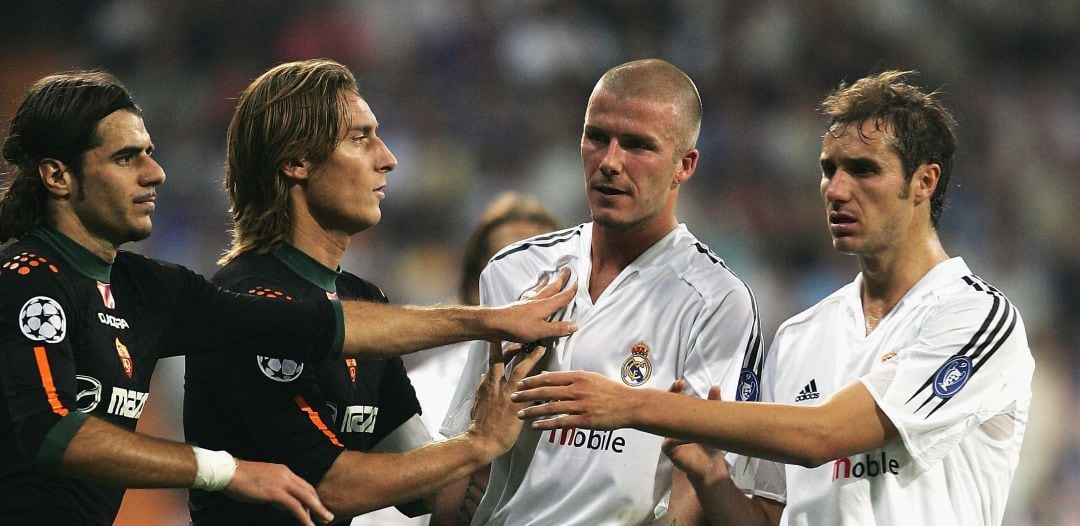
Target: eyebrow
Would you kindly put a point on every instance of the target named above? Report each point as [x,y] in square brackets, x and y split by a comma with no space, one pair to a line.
[131,150]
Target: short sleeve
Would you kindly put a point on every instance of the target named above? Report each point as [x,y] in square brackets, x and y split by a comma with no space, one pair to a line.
[970,363]
[39,317]
[206,318]
[397,400]
[493,292]
[756,476]
[725,332]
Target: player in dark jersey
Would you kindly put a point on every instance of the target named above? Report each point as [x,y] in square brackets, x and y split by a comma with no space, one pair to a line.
[319,175]
[82,323]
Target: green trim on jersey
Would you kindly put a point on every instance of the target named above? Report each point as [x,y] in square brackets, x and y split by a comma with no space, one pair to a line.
[57,440]
[318,274]
[337,347]
[83,261]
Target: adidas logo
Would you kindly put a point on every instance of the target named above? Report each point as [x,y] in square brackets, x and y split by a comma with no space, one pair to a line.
[809,392]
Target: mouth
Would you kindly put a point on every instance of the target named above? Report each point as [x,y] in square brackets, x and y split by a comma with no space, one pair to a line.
[147,201]
[380,191]
[841,223]
[608,190]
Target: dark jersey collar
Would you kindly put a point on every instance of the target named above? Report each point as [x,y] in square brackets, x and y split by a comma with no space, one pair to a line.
[82,260]
[307,268]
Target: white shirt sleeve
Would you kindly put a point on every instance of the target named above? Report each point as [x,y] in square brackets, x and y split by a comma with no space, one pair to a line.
[723,334]
[493,291]
[757,476]
[970,363]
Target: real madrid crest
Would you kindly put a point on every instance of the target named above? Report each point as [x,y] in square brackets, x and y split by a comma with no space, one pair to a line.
[637,368]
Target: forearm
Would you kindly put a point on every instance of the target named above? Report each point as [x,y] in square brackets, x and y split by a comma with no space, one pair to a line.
[376,330]
[107,454]
[360,482]
[849,423]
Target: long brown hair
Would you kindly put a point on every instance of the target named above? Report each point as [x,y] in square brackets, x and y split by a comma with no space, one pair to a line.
[290,113]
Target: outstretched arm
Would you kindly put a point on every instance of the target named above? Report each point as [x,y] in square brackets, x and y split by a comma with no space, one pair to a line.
[393,478]
[107,454]
[848,423]
[374,330]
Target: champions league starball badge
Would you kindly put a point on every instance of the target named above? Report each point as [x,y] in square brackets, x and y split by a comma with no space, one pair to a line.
[637,368]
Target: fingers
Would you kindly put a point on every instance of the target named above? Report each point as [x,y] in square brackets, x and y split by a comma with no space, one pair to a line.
[714,393]
[558,422]
[548,409]
[510,352]
[546,379]
[495,353]
[677,386]
[527,363]
[545,289]
[312,504]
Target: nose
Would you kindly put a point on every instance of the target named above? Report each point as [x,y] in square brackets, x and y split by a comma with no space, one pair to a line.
[836,188]
[611,163]
[385,161]
[152,174]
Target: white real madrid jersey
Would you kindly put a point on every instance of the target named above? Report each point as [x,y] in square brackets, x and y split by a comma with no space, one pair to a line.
[949,366]
[675,312]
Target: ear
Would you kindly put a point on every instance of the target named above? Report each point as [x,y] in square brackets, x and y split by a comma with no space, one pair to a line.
[57,177]
[296,169]
[686,166]
[925,181]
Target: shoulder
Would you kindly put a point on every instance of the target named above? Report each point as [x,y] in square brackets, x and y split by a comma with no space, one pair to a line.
[255,274]
[547,247]
[694,263]
[815,313]
[32,274]
[351,286]
[28,260]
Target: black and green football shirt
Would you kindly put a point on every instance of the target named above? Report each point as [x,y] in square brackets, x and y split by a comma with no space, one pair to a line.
[300,414]
[80,336]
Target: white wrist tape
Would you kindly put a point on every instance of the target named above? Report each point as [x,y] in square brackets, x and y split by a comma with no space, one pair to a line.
[213,469]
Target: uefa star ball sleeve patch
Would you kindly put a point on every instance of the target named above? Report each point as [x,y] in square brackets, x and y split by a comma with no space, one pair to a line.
[42,319]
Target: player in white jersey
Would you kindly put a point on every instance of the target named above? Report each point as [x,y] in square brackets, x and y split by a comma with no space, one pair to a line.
[654,305]
[900,399]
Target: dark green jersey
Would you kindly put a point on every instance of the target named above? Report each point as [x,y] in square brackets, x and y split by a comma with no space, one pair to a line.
[300,414]
[80,336]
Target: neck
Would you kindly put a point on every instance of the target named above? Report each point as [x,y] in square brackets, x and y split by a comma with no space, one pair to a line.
[887,277]
[614,249]
[69,225]
[321,245]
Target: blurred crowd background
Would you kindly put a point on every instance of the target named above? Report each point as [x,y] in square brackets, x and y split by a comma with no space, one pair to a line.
[480,96]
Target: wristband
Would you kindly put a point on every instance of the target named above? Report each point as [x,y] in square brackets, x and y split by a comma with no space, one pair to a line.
[213,469]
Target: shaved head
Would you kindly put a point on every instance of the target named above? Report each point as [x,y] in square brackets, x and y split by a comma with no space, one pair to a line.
[658,80]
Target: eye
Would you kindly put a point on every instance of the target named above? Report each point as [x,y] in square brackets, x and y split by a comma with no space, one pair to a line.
[828,169]
[125,160]
[595,136]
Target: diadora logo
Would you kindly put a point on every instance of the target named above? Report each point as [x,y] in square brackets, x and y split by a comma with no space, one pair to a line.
[127,402]
[809,392]
[867,467]
[359,419]
[595,440]
[112,321]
